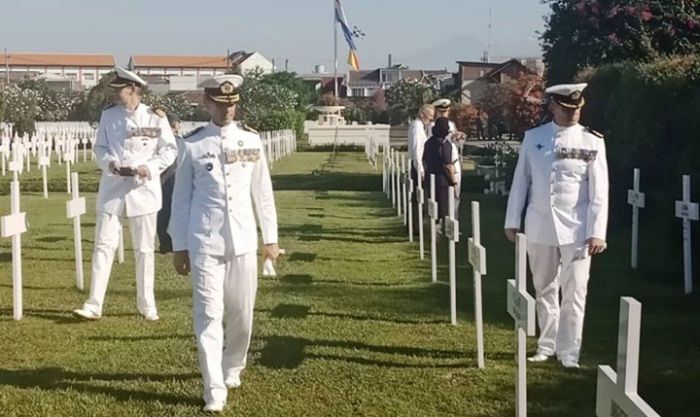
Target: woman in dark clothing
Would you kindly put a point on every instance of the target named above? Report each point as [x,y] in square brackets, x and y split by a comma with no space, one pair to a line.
[437,159]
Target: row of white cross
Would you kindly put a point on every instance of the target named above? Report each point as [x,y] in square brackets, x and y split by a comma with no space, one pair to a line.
[617,393]
[685,209]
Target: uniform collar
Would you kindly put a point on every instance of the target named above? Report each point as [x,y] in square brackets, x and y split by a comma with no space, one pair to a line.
[222,131]
[558,129]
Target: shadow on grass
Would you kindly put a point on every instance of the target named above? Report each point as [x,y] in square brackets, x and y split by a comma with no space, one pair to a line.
[59,379]
[299,311]
[326,181]
[287,352]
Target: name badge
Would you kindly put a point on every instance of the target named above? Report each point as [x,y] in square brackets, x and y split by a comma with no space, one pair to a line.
[241,155]
[586,155]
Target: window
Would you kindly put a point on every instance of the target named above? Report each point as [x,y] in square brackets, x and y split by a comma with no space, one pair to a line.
[72,75]
[358,92]
[89,76]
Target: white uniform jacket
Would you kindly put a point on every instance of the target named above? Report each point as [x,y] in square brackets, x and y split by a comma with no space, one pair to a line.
[221,174]
[131,139]
[562,176]
[416,143]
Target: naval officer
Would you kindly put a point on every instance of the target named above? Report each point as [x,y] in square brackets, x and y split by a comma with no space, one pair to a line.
[134,145]
[222,182]
[561,183]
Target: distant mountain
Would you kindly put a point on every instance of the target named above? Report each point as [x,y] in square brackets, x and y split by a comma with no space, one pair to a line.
[445,54]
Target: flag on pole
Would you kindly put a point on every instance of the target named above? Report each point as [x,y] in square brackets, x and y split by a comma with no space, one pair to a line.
[353,60]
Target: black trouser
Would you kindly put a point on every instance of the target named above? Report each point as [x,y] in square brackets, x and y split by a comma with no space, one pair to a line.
[167,185]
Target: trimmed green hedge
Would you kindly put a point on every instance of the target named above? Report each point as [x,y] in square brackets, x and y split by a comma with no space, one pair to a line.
[650,114]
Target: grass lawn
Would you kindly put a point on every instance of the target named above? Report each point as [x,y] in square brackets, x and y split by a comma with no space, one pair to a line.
[351,326]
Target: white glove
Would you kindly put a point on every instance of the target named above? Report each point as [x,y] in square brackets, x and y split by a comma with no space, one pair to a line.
[269,269]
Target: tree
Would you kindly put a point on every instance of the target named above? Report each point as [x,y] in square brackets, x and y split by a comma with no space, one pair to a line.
[405,98]
[268,105]
[99,97]
[524,103]
[583,33]
[464,116]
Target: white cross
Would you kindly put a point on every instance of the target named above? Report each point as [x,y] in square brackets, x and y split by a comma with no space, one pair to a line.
[452,234]
[420,197]
[617,392]
[74,209]
[687,211]
[404,189]
[636,199]
[521,306]
[477,259]
[433,214]
[385,166]
[13,225]
[392,178]
[44,162]
[409,198]
[399,197]
[84,142]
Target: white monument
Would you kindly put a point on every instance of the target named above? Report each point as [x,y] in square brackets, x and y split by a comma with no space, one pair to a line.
[687,211]
[74,209]
[635,198]
[477,259]
[521,306]
[433,215]
[617,392]
[452,234]
[13,225]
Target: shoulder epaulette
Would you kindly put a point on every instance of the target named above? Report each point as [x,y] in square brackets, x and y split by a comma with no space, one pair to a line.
[193,132]
[594,132]
[248,128]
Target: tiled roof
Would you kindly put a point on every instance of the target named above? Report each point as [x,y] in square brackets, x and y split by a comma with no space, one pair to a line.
[56,60]
[175,61]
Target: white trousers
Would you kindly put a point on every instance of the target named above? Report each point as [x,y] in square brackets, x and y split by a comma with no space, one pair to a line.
[143,232]
[553,268]
[224,289]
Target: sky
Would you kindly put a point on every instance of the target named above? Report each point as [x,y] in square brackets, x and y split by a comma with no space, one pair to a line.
[422,34]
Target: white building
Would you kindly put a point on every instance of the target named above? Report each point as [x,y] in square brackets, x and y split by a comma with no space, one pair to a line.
[244,62]
[81,70]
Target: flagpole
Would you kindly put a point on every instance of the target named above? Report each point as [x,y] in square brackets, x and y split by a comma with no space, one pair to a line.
[335,50]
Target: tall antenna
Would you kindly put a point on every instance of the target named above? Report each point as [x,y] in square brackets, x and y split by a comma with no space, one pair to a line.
[488,49]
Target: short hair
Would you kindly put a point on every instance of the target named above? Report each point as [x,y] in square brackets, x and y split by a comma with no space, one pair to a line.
[424,108]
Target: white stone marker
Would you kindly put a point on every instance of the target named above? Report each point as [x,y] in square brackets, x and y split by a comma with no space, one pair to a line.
[84,142]
[433,214]
[399,197]
[74,209]
[13,225]
[420,197]
[521,306]
[687,211]
[384,171]
[636,199]
[452,234]
[409,198]
[616,394]
[404,189]
[392,178]
[477,259]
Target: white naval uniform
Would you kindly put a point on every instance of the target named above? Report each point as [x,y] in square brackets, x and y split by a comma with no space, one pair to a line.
[130,139]
[416,143]
[222,176]
[562,176]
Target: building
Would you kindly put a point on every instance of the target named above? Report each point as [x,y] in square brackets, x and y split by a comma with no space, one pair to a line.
[473,77]
[74,71]
[184,73]
[366,83]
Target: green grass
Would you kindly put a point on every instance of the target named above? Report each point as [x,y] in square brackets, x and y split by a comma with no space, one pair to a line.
[351,327]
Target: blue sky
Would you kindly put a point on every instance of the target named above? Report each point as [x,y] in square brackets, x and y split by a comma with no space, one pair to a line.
[431,34]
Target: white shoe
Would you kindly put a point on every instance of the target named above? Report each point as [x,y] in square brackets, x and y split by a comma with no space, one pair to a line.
[570,363]
[86,314]
[151,317]
[233,381]
[539,357]
[214,407]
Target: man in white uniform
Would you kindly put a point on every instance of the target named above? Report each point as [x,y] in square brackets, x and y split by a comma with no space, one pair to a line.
[133,146]
[562,176]
[416,142]
[222,182]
